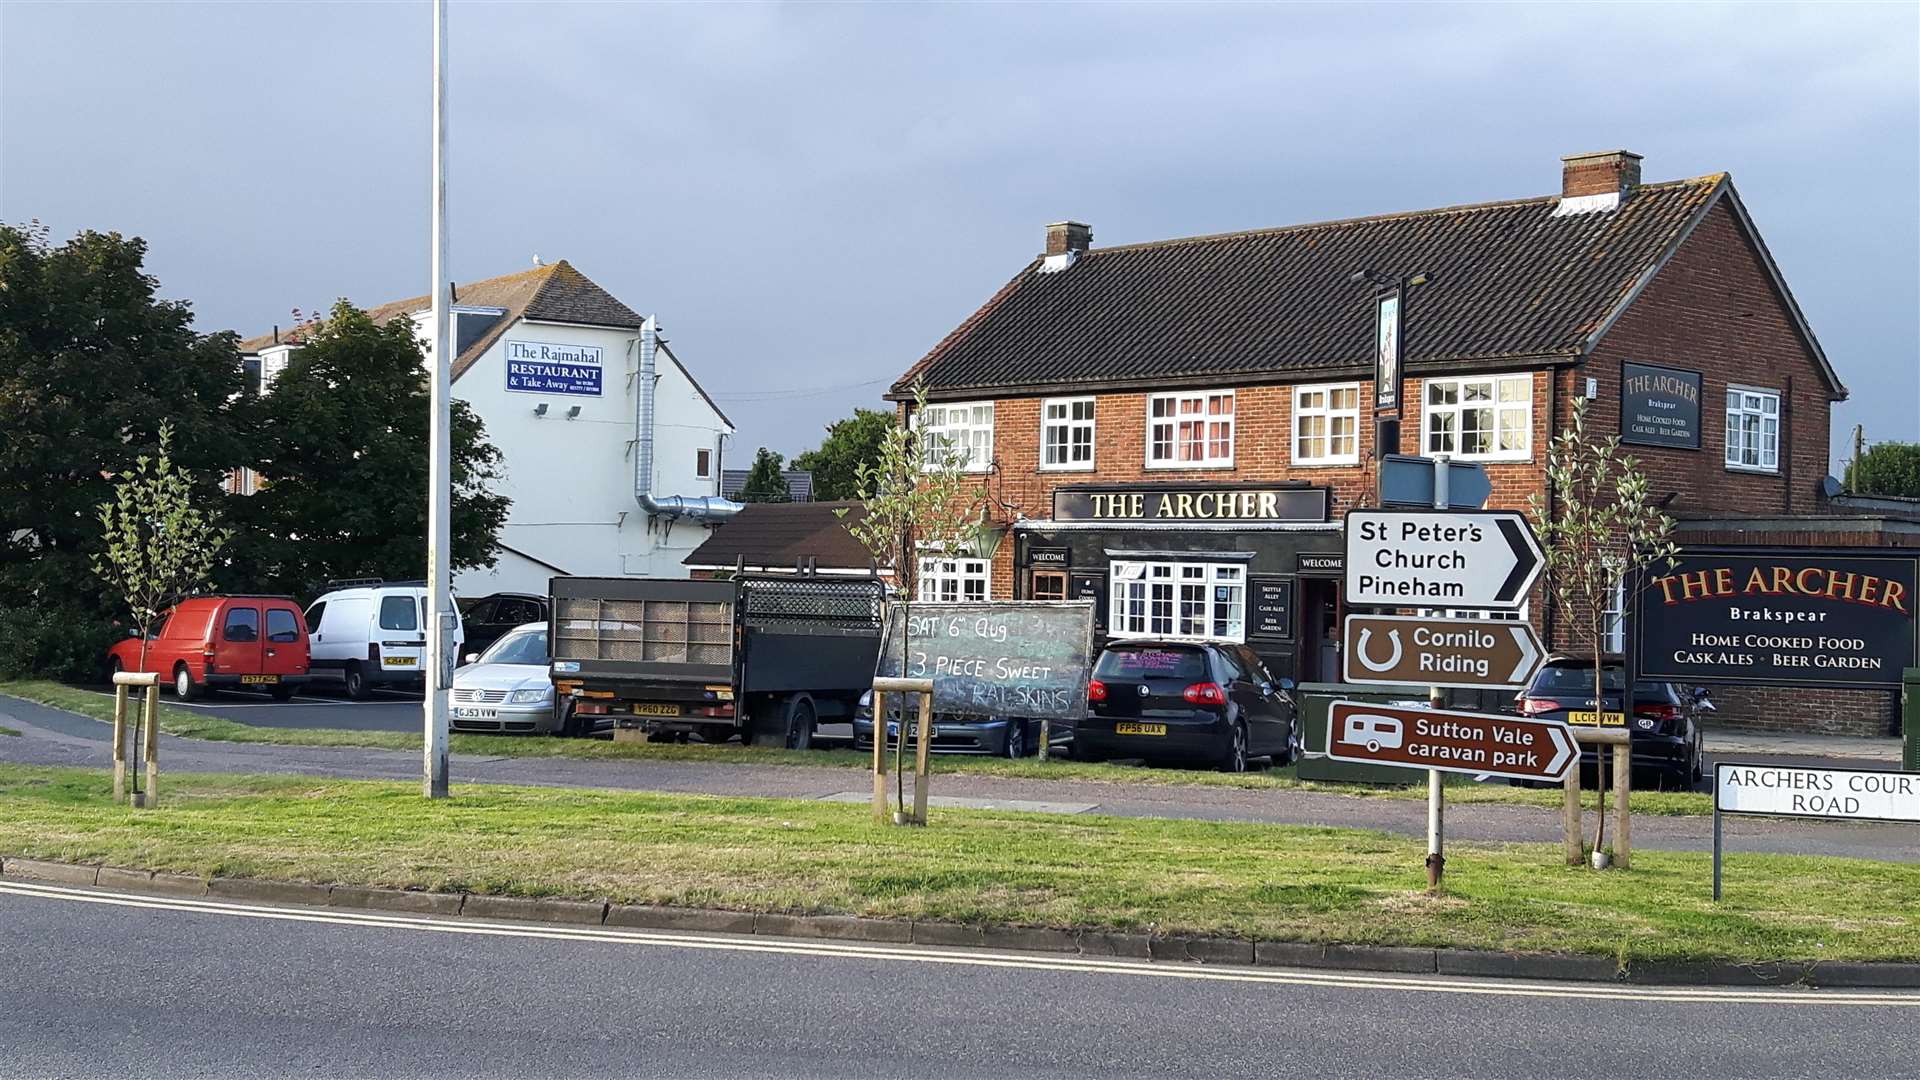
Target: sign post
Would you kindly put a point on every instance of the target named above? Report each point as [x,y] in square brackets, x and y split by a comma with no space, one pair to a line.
[1477,744]
[1793,791]
[1437,699]
[1440,559]
[1464,654]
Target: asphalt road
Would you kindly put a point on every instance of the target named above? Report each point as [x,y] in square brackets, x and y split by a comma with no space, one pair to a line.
[101,988]
[54,737]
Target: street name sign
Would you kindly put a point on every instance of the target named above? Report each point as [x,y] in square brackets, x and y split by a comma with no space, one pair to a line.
[1406,480]
[1480,744]
[1788,791]
[1440,559]
[1467,654]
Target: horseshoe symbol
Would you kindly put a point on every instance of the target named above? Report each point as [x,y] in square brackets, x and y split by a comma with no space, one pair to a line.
[1393,658]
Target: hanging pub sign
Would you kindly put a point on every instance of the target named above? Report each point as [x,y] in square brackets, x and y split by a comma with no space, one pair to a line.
[1192,503]
[539,367]
[1386,351]
[1659,406]
[1839,617]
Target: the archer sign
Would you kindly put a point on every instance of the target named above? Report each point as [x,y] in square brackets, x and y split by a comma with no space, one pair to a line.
[1481,744]
[1469,654]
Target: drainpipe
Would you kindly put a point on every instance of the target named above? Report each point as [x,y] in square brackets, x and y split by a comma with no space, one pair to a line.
[703,508]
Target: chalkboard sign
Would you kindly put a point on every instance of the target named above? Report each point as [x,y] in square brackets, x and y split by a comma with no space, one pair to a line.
[1272,607]
[1028,658]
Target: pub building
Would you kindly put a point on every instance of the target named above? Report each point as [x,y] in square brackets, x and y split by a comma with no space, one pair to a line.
[1175,429]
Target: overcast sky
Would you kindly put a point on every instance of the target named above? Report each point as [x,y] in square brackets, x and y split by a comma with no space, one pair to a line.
[811,195]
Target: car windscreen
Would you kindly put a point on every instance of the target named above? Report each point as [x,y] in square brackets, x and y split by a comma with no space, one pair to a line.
[1151,663]
[524,648]
[398,613]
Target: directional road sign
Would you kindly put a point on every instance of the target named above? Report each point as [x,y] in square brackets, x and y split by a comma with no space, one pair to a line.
[1408,481]
[1482,744]
[1440,559]
[1471,654]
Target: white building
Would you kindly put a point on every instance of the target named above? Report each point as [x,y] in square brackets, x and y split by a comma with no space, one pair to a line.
[606,478]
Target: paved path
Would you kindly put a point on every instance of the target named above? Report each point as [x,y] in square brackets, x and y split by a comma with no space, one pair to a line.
[54,737]
[278,992]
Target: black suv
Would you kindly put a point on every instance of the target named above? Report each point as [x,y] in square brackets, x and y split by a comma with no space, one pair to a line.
[1664,728]
[1189,701]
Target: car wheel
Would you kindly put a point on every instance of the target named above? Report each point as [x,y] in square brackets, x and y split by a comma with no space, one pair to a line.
[115,667]
[1016,738]
[183,687]
[1294,746]
[282,692]
[356,679]
[800,722]
[1236,759]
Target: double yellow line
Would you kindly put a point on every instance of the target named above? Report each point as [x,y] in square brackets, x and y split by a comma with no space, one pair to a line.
[980,958]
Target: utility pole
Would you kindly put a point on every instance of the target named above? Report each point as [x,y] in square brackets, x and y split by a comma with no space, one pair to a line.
[1859,449]
[440,643]
[1437,699]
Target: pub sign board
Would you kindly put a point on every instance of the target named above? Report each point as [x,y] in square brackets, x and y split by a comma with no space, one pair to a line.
[1272,614]
[1835,617]
[1193,503]
[1659,406]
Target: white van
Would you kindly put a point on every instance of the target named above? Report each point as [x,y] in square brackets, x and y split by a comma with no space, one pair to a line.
[373,634]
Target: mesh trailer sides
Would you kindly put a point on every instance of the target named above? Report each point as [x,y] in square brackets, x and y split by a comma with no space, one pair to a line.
[813,635]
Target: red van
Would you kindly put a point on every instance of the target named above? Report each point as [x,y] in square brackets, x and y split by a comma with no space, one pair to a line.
[211,641]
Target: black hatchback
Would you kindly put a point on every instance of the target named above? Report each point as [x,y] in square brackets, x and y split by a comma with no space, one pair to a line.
[1194,702]
[1664,728]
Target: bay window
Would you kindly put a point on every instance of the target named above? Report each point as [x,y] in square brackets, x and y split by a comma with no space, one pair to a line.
[1178,599]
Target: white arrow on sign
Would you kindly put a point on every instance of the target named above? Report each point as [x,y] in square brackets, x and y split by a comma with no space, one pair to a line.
[1434,558]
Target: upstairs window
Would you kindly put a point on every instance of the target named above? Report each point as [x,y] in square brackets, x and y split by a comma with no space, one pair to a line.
[1753,429]
[1326,424]
[1190,430]
[703,463]
[1066,433]
[1481,419]
[964,431]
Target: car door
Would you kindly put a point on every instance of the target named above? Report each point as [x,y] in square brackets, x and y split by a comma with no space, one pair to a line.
[286,644]
[482,627]
[1245,694]
[238,646]
[1276,704]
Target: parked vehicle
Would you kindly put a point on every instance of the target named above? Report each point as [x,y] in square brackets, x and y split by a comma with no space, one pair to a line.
[1664,729]
[487,619]
[997,736]
[369,634]
[506,689]
[1191,701]
[222,641]
[767,656]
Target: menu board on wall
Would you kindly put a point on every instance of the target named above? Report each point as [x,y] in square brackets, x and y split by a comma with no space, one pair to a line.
[1270,604]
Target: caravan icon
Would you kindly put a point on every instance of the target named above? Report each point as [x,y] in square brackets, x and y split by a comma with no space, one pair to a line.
[1373,732]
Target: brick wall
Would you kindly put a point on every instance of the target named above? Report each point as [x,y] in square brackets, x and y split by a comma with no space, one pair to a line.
[1804,709]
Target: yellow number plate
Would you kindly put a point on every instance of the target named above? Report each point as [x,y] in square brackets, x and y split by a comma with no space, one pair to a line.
[656,710]
[396,661]
[1124,728]
[1600,719]
[259,680]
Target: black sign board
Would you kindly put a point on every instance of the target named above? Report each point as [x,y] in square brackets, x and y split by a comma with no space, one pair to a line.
[1192,503]
[1659,406]
[1322,562]
[1270,613]
[1388,331]
[1090,587]
[1046,556]
[1841,617]
[1024,658]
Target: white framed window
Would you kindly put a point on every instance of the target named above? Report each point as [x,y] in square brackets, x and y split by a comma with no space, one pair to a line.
[1190,430]
[1753,429]
[1066,433]
[1178,599]
[1326,424]
[703,463]
[952,581]
[1613,621]
[964,430]
[1481,419]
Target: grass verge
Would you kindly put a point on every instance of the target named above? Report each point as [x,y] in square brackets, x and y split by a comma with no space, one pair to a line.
[1169,877]
[189,724]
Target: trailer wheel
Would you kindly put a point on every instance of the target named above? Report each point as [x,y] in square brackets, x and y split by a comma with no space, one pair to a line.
[801,718]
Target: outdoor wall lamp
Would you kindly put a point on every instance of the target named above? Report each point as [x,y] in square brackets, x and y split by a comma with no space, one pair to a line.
[573,412]
[540,409]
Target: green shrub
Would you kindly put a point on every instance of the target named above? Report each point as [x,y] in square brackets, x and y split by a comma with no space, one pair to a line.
[65,645]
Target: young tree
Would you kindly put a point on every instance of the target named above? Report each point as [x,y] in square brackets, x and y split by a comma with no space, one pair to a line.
[158,545]
[342,455]
[1887,468]
[765,482]
[850,443]
[1597,530]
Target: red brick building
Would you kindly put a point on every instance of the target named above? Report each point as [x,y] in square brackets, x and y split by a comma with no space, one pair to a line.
[1174,429]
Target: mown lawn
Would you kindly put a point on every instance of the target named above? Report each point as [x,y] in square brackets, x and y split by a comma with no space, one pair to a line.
[1263,881]
[188,724]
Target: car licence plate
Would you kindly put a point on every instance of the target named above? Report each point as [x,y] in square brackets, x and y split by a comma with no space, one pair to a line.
[1599,719]
[259,680]
[475,714]
[656,710]
[397,661]
[1126,728]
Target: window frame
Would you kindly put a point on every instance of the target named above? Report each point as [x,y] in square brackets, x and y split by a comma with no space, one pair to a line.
[1760,414]
[1069,424]
[1057,579]
[398,600]
[1330,414]
[1495,405]
[703,463]
[275,637]
[227,624]
[1169,616]
[927,431]
[1205,418]
[961,570]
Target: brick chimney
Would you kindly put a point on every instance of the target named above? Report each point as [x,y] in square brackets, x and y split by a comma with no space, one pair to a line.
[1068,236]
[1610,172]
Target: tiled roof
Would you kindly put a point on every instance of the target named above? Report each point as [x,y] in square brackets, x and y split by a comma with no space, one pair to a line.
[773,535]
[1507,281]
[799,483]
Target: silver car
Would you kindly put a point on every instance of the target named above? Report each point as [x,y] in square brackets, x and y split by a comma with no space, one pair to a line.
[506,690]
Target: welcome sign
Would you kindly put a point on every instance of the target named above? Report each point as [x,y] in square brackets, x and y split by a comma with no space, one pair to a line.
[539,367]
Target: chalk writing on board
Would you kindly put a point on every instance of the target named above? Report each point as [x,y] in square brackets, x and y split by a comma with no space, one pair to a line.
[1025,659]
